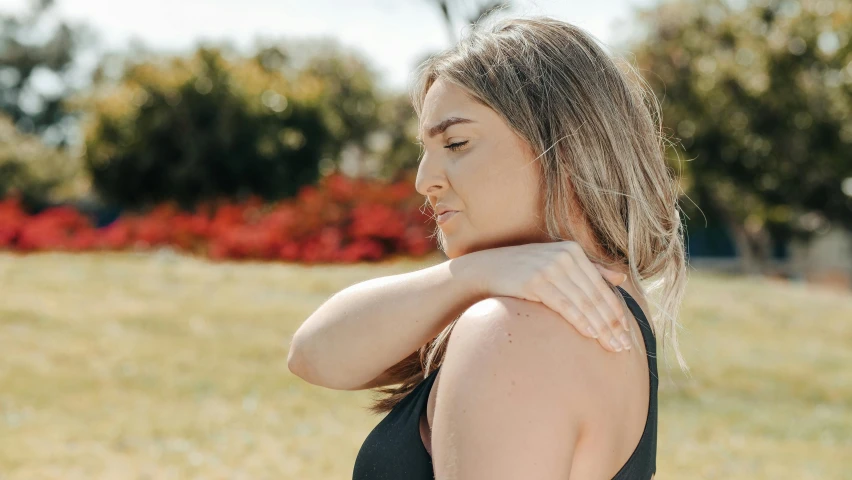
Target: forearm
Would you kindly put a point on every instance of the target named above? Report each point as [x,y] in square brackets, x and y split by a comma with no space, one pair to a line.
[368,327]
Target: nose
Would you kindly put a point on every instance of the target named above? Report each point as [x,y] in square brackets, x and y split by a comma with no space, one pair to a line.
[431,177]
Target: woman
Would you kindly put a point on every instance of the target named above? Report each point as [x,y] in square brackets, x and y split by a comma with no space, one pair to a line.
[540,157]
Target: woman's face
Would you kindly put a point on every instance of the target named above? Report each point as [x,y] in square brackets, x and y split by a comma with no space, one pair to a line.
[491,177]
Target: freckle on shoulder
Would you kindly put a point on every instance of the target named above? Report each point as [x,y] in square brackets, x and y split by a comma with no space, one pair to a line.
[538,319]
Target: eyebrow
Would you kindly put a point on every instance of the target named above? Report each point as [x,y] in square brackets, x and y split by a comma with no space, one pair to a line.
[444,125]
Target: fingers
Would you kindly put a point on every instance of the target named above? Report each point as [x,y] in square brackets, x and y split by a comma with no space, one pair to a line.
[613,277]
[584,274]
[607,325]
[615,303]
[560,303]
[593,284]
[570,301]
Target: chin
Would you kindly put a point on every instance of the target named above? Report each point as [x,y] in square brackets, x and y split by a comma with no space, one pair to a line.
[448,249]
[455,249]
[451,249]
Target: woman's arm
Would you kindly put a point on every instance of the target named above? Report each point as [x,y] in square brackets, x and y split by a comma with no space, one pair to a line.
[353,338]
[351,341]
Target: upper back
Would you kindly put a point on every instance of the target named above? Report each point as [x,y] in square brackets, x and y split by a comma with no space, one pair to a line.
[617,398]
[618,411]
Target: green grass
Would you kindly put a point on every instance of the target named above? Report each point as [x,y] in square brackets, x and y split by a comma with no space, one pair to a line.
[133,366]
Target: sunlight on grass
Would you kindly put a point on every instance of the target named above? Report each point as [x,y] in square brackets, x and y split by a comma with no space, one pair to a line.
[160,366]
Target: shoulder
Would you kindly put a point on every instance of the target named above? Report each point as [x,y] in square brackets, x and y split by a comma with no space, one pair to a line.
[512,394]
[521,336]
[506,341]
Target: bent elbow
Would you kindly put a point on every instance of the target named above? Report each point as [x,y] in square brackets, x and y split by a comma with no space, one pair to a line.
[304,362]
[296,362]
[301,365]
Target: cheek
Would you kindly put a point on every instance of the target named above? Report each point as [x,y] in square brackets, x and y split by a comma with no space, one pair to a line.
[503,201]
[497,186]
[512,188]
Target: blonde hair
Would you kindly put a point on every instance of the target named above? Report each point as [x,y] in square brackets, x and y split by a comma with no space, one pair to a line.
[595,128]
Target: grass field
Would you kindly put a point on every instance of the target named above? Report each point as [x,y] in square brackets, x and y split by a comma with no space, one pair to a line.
[159,366]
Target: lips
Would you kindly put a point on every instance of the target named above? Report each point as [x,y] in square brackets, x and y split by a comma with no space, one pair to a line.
[443,217]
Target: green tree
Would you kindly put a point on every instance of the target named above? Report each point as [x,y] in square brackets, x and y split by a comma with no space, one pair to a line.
[350,100]
[39,173]
[26,56]
[349,97]
[399,149]
[760,96]
[192,129]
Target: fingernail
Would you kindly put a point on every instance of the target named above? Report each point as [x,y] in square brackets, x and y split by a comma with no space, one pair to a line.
[592,332]
[617,346]
[625,341]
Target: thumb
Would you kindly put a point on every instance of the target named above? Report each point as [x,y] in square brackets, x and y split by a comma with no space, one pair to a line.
[612,276]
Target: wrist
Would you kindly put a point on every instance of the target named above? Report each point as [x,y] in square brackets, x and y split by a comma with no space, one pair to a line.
[468,273]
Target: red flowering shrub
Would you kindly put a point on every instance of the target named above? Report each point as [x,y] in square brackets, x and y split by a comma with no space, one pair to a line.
[116,235]
[338,220]
[58,228]
[378,221]
[12,219]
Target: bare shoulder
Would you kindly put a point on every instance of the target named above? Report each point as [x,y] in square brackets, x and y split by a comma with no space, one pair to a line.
[513,393]
[536,326]
[525,341]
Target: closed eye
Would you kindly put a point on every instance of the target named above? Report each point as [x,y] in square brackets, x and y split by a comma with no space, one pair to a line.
[456,146]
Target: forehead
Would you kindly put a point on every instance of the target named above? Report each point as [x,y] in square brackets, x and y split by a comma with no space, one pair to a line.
[444,98]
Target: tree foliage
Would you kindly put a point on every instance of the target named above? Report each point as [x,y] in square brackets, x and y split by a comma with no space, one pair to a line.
[192,129]
[27,55]
[35,171]
[760,96]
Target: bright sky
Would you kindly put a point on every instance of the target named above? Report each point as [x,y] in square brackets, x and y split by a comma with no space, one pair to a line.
[393,34]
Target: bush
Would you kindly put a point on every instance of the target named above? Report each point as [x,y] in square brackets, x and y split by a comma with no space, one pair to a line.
[37,172]
[202,128]
[340,220]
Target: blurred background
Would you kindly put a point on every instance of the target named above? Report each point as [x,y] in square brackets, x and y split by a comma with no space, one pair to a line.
[183,183]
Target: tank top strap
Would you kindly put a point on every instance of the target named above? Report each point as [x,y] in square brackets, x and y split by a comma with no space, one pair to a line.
[648,336]
[643,462]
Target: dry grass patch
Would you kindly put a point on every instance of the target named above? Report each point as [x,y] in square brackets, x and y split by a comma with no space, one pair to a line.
[160,366]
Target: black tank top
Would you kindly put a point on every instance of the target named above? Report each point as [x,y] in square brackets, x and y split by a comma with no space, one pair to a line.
[395,451]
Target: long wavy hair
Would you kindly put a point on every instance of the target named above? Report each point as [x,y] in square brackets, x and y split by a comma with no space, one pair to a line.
[595,128]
